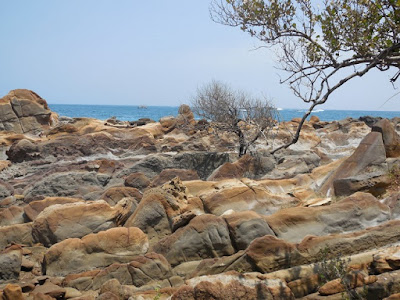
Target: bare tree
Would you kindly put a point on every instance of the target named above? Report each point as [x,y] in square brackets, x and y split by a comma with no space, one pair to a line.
[235,111]
[321,45]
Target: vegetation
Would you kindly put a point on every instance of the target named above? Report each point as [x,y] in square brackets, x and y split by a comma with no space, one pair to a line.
[320,45]
[235,111]
[331,268]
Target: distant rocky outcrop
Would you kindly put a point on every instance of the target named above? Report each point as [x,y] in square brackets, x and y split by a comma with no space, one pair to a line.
[24,111]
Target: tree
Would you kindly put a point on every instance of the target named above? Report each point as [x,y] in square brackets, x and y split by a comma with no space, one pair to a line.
[235,111]
[320,45]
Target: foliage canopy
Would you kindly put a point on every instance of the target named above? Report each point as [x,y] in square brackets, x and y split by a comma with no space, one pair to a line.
[321,45]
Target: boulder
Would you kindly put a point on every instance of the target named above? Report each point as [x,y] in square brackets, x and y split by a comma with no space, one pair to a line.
[168,174]
[23,111]
[10,263]
[157,209]
[34,208]
[116,245]
[232,170]
[137,180]
[243,198]
[353,213]
[371,151]
[391,139]
[375,183]
[114,194]
[142,270]
[75,220]
[246,226]
[12,292]
[11,215]
[205,236]
[18,233]
[67,184]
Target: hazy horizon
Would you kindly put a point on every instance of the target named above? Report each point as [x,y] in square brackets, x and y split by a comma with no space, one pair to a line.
[147,53]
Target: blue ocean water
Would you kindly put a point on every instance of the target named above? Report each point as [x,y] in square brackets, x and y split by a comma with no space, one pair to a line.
[131,113]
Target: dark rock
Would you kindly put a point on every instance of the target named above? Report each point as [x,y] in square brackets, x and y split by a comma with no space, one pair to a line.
[370,121]
[137,180]
[374,183]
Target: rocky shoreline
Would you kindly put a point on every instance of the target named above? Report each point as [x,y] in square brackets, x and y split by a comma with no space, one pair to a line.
[166,210]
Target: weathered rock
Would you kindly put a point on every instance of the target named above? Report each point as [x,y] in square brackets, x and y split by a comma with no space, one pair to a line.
[75,220]
[6,190]
[270,254]
[168,174]
[353,280]
[203,162]
[243,198]
[34,208]
[68,184]
[353,213]
[370,151]
[375,183]
[205,236]
[10,263]
[233,285]
[232,170]
[393,201]
[13,292]
[11,215]
[23,111]
[114,194]
[50,289]
[95,250]
[157,209]
[18,233]
[246,226]
[137,180]
[142,270]
[391,139]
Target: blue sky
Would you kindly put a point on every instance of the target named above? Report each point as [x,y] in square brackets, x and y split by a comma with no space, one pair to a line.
[132,52]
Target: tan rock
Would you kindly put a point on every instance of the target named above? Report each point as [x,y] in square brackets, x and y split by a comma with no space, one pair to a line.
[59,222]
[18,233]
[12,292]
[115,194]
[157,209]
[169,174]
[233,285]
[353,213]
[205,236]
[95,250]
[34,208]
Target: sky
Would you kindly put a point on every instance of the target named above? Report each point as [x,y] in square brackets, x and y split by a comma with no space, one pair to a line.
[131,52]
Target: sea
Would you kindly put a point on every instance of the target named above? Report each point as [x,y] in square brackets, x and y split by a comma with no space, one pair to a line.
[132,113]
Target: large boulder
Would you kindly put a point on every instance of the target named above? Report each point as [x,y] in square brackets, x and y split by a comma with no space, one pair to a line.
[371,151]
[23,111]
[34,208]
[75,220]
[353,213]
[116,245]
[142,270]
[205,236]
[243,197]
[11,215]
[67,184]
[157,209]
[245,227]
